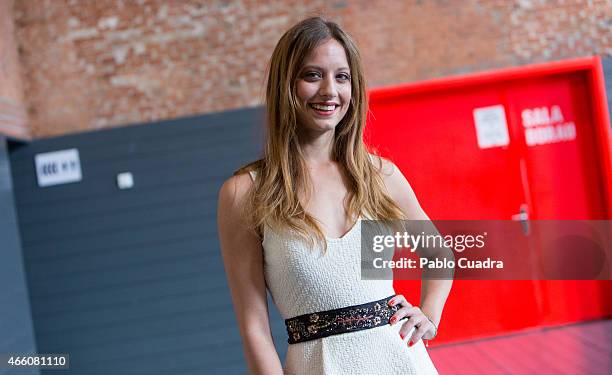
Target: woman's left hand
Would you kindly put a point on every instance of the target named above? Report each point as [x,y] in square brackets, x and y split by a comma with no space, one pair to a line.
[423,327]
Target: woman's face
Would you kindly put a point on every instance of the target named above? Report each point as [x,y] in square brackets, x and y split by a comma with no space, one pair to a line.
[324,87]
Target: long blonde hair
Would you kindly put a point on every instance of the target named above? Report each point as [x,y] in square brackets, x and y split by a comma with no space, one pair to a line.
[273,200]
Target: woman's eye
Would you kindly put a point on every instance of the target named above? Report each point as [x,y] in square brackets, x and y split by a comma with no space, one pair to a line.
[312,75]
[317,75]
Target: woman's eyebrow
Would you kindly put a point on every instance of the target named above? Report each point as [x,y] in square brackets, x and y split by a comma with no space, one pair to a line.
[316,67]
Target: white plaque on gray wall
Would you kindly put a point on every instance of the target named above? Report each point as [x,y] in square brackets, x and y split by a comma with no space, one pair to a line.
[58,167]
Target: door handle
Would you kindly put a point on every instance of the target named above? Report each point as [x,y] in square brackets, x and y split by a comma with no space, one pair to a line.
[523,218]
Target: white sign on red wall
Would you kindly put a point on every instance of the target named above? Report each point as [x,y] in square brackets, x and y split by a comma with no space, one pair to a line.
[544,125]
[491,126]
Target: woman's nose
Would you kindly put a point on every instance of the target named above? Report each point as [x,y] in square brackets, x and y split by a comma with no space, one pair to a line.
[327,87]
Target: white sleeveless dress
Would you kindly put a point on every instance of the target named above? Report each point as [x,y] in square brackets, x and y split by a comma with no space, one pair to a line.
[302,280]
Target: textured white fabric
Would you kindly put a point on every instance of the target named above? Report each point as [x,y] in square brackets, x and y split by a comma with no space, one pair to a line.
[303,280]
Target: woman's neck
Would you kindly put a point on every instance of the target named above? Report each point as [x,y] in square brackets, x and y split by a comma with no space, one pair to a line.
[317,150]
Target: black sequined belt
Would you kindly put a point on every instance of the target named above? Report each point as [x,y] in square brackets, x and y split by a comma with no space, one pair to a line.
[334,322]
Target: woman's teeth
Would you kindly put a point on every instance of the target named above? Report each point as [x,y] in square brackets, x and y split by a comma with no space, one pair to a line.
[323,107]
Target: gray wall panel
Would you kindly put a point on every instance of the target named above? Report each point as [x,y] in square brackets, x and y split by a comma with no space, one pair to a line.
[607,68]
[132,281]
[16,329]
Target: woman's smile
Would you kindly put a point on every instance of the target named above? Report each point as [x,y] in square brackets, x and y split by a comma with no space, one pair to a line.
[324,110]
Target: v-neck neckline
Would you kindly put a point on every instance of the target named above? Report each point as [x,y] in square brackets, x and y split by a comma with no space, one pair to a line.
[346,234]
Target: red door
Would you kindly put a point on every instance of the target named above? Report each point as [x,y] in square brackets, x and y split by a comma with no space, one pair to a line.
[485,148]
[557,137]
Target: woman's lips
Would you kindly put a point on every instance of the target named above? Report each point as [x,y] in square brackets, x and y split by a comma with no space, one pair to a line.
[323,113]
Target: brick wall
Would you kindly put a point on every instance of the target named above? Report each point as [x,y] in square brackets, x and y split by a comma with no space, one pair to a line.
[13,115]
[95,64]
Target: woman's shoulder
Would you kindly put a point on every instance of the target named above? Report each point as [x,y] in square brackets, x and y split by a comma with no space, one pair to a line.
[399,189]
[252,167]
[394,180]
[235,189]
[383,165]
[233,192]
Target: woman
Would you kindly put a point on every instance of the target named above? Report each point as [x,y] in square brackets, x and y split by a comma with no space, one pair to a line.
[292,223]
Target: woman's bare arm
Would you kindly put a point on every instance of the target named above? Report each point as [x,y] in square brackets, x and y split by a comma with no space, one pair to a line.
[433,292]
[243,259]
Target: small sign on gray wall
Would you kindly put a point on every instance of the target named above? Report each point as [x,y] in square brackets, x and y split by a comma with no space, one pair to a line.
[58,167]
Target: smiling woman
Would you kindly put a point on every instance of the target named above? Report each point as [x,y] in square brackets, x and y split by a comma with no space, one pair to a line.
[292,224]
